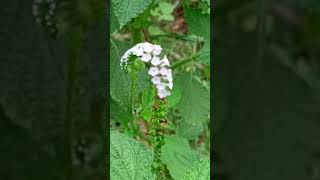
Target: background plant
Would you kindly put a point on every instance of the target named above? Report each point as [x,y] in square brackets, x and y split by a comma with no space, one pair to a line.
[183,30]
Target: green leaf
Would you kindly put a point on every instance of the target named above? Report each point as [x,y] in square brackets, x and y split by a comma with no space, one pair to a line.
[178,156]
[175,97]
[199,24]
[119,81]
[190,131]
[155,30]
[200,171]
[166,8]
[195,101]
[129,159]
[147,101]
[206,1]
[118,113]
[125,10]
[166,17]
[143,81]
[114,24]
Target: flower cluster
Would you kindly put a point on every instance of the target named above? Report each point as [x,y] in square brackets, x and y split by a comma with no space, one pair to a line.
[160,72]
[44,11]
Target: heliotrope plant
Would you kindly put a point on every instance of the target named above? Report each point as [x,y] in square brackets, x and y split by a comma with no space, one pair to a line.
[161,77]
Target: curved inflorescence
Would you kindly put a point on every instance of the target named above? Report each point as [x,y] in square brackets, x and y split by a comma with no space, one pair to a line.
[160,72]
[44,13]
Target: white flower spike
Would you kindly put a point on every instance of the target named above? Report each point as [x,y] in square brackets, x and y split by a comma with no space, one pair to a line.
[156,80]
[153,71]
[160,72]
[155,61]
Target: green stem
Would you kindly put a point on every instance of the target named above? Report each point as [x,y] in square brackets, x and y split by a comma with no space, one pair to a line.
[184,61]
[132,103]
[158,130]
[174,35]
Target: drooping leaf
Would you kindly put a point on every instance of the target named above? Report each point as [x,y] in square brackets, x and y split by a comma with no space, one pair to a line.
[125,10]
[178,156]
[200,171]
[129,159]
[195,101]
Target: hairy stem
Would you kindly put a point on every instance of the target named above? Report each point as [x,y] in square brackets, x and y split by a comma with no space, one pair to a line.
[184,61]
[158,130]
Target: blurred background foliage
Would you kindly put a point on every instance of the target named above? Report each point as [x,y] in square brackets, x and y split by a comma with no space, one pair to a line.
[53,91]
[266,90]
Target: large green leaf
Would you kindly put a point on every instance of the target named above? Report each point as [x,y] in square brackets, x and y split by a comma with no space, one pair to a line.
[178,156]
[130,160]
[125,10]
[200,171]
[114,24]
[175,97]
[189,131]
[195,101]
[119,81]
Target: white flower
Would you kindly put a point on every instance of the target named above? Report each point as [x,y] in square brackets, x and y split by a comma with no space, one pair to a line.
[163,93]
[153,71]
[155,61]
[147,47]
[156,80]
[168,77]
[170,85]
[161,86]
[125,57]
[146,57]
[161,75]
[156,49]
[137,51]
[165,61]
[164,71]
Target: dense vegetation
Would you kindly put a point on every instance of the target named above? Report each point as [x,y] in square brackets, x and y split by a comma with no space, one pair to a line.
[181,148]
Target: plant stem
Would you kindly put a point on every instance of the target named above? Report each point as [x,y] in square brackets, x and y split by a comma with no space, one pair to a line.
[184,61]
[158,130]
[174,35]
